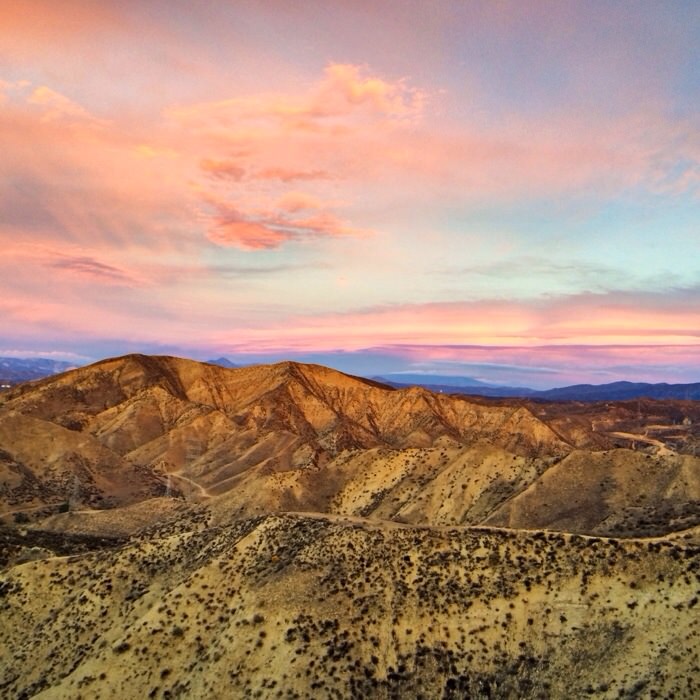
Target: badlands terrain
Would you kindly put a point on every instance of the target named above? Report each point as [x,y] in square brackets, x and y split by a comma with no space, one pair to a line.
[179,529]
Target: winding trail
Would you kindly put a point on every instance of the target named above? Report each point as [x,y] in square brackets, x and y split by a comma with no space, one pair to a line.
[203,492]
[27,509]
[662,449]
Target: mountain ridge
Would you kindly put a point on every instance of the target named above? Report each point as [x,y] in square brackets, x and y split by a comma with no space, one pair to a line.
[295,436]
[298,606]
[18,370]
[612,391]
[14,370]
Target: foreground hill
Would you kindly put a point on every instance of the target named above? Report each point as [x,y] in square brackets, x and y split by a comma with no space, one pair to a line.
[289,437]
[299,606]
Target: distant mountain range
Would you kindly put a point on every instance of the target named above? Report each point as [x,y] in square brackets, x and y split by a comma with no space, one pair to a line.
[408,379]
[14,370]
[223,362]
[614,391]
[619,391]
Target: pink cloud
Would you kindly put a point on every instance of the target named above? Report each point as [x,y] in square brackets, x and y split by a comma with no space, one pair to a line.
[248,231]
[83,181]
[247,235]
[282,138]
[93,270]
[93,281]
[366,132]
[290,175]
[126,183]
[344,91]
[101,185]
[346,127]
[521,157]
[585,319]
[252,228]
[222,169]
[597,356]
[344,88]
[553,365]
[324,224]
[56,106]
[296,201]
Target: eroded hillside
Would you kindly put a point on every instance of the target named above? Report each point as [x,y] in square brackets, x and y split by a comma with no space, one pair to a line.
[289,437]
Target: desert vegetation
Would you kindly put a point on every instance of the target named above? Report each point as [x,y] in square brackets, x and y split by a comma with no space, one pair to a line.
[292,606]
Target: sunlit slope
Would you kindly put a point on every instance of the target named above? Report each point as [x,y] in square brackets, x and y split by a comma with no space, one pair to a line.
[291,606]
[289,437]
[210,424]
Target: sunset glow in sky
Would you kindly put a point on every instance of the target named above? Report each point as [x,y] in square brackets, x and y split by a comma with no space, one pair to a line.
[505,190]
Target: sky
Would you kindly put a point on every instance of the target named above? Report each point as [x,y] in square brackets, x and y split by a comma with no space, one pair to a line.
[503,190]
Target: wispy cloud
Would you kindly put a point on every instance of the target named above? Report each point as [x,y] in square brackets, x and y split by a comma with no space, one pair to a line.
[547,366]
[290,175]
[541,266]
[55,106]
[285,138]
[225,169]
[93,269]
[295,216]
[241,271]
[49,354]
[609,318]
[345,90]
[73,178]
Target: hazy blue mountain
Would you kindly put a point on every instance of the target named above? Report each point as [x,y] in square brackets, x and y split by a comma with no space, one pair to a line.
[223,362]
[619,391]
[615,391]
[471,390]
[431,379]
[14,370]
